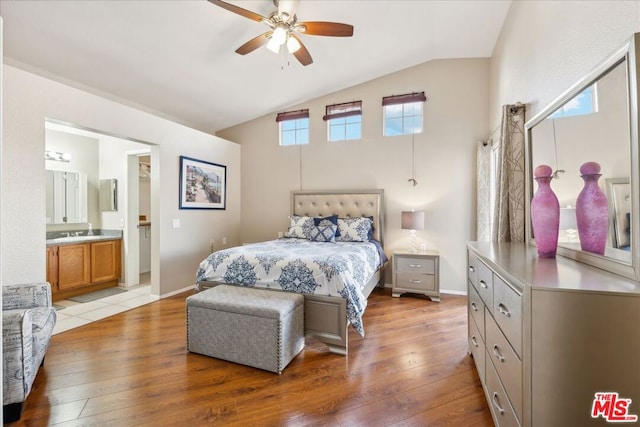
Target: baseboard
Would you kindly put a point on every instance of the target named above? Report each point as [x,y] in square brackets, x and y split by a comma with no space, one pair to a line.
[179,291]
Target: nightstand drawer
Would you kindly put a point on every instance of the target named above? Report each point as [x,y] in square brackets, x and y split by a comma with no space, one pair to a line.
[415,265]
[418,282]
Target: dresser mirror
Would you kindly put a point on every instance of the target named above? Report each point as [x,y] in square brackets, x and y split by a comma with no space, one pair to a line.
[594,120]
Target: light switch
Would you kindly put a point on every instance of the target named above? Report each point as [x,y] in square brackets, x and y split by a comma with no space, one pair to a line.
[176,222]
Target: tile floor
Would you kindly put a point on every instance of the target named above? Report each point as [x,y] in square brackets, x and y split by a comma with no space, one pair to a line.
[77,314]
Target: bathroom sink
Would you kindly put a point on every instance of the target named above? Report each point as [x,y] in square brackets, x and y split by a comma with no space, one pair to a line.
[76,238]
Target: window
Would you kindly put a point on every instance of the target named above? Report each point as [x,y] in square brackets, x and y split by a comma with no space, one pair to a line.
[344,121]
[403,113]
[586,102]
[294,127]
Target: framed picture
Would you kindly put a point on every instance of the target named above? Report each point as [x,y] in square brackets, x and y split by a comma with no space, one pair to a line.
[203,185]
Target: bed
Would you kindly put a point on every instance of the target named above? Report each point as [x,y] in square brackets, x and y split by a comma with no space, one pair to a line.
[334,304]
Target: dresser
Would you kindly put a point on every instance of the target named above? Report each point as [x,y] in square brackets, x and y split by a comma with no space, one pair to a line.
[546,335]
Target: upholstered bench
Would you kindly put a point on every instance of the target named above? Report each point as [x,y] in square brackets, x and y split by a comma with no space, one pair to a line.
[254,327]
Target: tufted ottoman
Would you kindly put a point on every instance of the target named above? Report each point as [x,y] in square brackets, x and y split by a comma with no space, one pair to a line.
[254,327]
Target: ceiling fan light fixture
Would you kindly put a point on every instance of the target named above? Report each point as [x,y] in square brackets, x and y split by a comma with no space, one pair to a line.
[279,35]
[273,45]
[293,44]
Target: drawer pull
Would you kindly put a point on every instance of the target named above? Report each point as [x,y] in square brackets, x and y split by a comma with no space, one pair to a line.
[483,284]
[472,268]
[415,281]
[473,306]
[474,341]
[496,352]
[496,403]
[504,310]
[415,265]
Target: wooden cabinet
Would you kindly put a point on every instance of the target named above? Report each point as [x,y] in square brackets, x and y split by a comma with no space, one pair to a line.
[416,273]
[546,335]
[80,268]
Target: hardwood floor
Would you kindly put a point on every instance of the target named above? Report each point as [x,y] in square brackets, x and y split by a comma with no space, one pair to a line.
[133,369]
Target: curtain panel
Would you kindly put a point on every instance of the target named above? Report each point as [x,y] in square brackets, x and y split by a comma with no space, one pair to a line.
[508,214]
[483,203]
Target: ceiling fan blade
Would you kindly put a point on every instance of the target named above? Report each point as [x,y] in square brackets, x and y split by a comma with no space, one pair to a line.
[254,43]
[302,54]
[236,9]
[320,28]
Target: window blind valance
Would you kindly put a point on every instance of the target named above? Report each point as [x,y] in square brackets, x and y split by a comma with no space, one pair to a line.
[404,99]
[292,115]
[346,109]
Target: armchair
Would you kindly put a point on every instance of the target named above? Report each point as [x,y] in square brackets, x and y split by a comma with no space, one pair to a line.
[28,318]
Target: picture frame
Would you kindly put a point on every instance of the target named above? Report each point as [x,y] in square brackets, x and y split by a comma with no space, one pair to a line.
[203,185]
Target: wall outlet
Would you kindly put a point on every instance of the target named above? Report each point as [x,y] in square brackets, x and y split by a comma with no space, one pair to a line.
[279,234]
[175,222]
[121,222]
[211,244]
[224,240]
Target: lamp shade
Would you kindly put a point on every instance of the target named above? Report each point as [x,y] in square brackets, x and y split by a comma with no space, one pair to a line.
[412,220]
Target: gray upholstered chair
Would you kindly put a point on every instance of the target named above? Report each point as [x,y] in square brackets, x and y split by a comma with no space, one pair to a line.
[28,318]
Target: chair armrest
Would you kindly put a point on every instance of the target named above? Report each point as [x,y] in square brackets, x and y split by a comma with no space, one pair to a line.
[17,353]
[27,295]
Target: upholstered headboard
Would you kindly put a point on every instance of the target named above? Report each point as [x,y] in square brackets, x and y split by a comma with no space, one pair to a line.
[345,204]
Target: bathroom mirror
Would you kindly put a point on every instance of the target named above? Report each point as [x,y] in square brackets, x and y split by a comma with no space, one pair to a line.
[66,194]
[594,120]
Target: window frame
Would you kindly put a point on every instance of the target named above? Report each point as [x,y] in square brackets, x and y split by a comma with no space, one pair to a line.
[407,116]
[341,117]
[300,131]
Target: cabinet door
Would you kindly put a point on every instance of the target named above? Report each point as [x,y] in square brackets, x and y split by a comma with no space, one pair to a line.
[52,267]
[105,261]
[74,266]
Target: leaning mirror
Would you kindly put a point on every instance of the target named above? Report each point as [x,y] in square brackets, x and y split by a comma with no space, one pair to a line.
[595,120]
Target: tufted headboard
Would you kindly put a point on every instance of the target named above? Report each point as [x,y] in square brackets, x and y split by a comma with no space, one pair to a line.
[345,204]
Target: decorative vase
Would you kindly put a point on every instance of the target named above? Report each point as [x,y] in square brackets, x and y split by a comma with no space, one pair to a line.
[592,211]
[545,214]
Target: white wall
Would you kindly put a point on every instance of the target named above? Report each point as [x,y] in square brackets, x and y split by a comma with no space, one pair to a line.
[455,117]
[29,99]
[547,46]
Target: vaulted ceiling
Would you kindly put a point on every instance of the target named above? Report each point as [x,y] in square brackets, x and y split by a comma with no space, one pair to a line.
[176,59]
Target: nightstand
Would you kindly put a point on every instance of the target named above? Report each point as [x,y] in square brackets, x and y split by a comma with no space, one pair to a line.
[416,272]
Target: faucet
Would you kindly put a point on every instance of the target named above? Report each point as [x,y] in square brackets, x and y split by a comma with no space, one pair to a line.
[67,233]
[77,233]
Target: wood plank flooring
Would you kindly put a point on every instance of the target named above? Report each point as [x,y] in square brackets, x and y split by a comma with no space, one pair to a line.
[132,369]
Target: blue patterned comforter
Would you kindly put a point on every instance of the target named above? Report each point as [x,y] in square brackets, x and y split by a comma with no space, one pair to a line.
[299,265]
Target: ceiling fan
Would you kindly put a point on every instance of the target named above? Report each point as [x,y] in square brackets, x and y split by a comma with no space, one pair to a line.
[284,29]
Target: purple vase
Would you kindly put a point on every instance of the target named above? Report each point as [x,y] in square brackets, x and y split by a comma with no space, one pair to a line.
[545,214]
[592,211]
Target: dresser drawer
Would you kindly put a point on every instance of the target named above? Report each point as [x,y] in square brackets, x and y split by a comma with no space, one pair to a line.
[485,284]
[507,311]
[415,265]
[476,345]
[476,309]
[472,269]
[414,281]
[503,413]
[506,362]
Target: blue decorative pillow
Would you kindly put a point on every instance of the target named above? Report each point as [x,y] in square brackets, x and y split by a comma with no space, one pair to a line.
[325,232]
[355,229]
[333,219]
[299,227]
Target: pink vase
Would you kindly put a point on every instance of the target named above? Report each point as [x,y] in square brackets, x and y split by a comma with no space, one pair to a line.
[592,211]
[545,214]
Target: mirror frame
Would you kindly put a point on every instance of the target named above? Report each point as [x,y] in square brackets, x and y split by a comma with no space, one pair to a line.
[629,52]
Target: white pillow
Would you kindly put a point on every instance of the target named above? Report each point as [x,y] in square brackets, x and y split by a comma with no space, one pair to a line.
[355,229]
[299,227]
